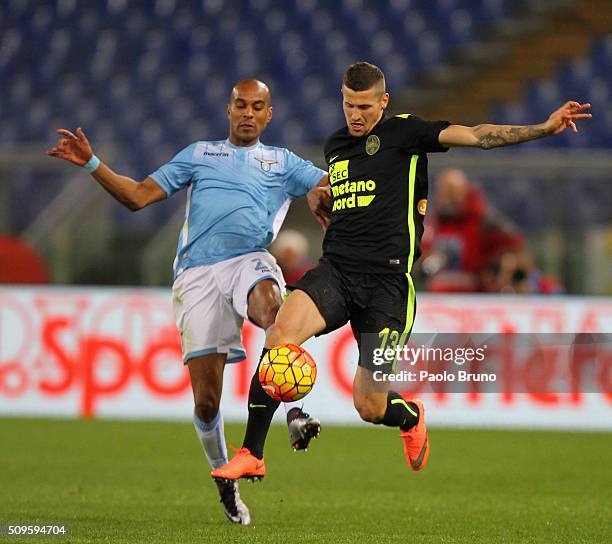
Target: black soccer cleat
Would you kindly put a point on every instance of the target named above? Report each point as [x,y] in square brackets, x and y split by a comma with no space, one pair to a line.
[302,430]
[233,506]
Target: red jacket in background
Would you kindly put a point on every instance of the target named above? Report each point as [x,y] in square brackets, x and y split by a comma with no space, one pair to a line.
[471,241]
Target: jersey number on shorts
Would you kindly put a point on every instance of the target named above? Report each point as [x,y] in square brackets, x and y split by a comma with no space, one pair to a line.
[392,340]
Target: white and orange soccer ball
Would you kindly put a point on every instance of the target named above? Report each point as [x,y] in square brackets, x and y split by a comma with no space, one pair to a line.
[287,373]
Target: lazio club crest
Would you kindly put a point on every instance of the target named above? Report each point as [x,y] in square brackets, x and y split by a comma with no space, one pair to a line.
[266,165]
[372,144]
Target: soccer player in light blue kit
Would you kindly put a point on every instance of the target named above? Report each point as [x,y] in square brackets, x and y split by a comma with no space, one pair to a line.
[238,193]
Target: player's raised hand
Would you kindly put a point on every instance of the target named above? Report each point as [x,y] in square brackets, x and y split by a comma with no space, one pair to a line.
[72,148]
[566,116]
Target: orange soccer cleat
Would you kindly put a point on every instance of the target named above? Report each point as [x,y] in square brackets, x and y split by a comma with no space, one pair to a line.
[416,441]
[242,465]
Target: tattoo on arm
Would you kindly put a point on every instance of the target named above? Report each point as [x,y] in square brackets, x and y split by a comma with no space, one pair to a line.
[490,136]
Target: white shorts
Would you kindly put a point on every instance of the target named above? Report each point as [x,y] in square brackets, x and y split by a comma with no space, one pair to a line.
[210,303]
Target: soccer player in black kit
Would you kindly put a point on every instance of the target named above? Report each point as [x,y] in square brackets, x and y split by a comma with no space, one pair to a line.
[378,180]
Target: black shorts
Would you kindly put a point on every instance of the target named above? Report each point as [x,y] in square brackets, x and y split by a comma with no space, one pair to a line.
[380,308]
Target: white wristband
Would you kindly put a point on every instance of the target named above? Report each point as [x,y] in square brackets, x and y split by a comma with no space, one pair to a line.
[92,164]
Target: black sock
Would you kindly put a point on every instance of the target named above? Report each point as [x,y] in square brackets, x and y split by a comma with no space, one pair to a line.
[261,410]
[400,413]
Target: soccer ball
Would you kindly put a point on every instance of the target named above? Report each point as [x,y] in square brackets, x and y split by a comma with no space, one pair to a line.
[287,373]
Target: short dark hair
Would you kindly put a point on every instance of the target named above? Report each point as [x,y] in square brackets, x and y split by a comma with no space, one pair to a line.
[362,76]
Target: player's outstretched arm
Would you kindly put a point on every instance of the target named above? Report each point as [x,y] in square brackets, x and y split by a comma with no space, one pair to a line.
[319,202]
[490,136]
[132,194]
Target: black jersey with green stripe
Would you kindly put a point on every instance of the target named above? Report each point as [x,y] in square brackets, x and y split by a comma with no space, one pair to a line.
[379,191]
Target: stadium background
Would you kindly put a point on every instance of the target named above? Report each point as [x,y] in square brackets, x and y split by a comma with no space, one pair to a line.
[146,78]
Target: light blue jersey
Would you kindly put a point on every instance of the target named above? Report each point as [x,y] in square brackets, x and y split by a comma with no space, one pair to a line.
[237,197]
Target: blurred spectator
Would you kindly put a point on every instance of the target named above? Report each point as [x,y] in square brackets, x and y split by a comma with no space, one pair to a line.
[465,238]
[518,273]
[20,263]
[291,251]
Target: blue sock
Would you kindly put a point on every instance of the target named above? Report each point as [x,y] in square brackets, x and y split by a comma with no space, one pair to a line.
[212,438]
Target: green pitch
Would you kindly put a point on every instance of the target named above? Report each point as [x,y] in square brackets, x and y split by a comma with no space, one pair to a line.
[148,482]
